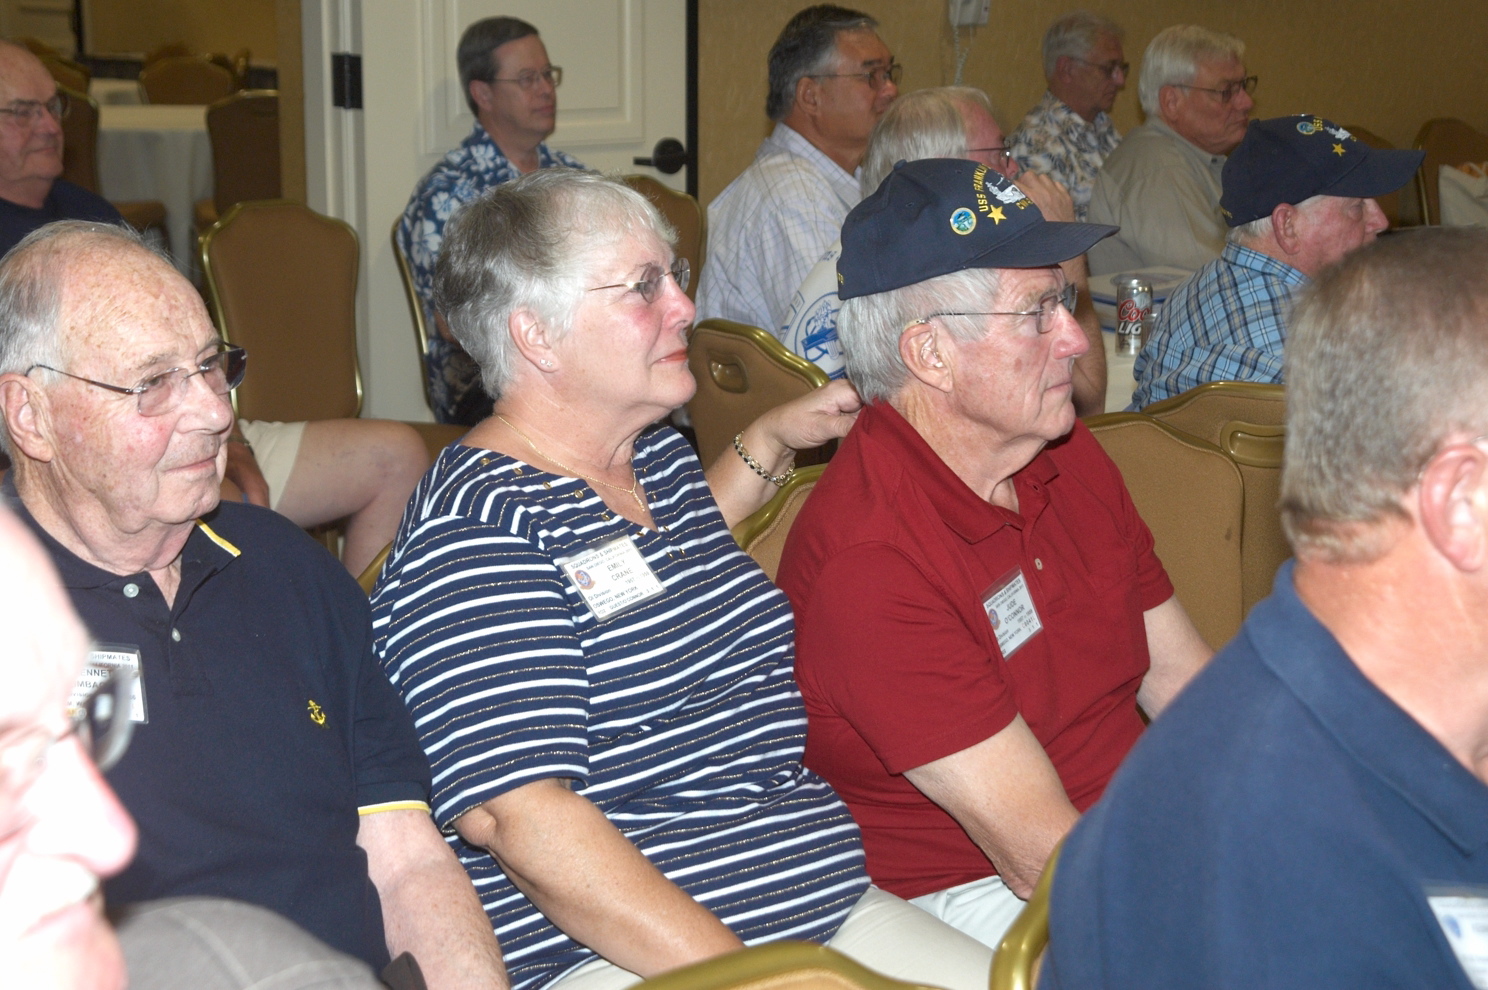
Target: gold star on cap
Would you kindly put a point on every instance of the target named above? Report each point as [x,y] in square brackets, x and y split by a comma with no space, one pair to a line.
[1338,149]
[996,214]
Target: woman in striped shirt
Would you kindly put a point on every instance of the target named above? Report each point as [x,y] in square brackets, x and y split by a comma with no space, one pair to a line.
[601,679]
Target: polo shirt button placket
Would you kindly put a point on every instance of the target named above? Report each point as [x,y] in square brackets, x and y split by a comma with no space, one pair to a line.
[131,590]
[175,635]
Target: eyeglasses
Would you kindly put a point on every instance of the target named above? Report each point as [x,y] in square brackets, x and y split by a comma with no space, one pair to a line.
[1228,92]
[159,394]
[1048,306]
[1108,68]
[650,287]
[552,75]
[101,724]
[28,112]
[892,72]
[1003,153]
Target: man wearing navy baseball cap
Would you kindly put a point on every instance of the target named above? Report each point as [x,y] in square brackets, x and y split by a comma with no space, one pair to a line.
[979,609]
[1298,196]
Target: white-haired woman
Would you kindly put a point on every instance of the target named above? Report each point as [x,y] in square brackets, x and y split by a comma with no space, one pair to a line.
[602,680]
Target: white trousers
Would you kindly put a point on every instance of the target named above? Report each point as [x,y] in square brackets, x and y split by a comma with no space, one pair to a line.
[882,932]
[982,909]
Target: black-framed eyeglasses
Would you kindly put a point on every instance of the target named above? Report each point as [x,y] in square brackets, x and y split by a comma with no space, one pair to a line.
[101,724]
[1108,69]
[552,75]
[1227,93]
[1048,306]
[892,72]
[28,112]
[650,287]
[159,394]
[1001,153]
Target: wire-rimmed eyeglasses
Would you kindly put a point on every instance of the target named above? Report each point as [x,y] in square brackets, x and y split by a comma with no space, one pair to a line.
[552,75]
[1048,306]
[1108,69]
[101,723]
[159,394]
[1227,93]
[1001,154]
[28,112]
[650,287]
[892,72]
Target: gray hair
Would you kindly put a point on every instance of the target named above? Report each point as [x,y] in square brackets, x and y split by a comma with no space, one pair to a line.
[531,244]
[1261,228]
[1073,35]
[869,327]
[927,123]
[806,47]
[476,56]
[1172,59]
[1386,359]
[31,278]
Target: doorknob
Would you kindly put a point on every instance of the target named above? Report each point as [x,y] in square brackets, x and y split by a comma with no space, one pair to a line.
[667,157]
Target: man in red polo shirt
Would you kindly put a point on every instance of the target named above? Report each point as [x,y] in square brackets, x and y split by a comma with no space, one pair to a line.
[979,609]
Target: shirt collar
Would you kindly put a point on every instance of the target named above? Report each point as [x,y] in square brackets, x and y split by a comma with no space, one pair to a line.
[1161,127]
[479,135]
[787,139]
[968,515]
[1381,735]
[1244,257]
[1066,116]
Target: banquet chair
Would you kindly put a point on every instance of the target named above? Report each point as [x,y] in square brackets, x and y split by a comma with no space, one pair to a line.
[1446,141]
[1192,496]
[38,47]
[1019,955]
[170,49]
[368,578]
[183,79]
[67,73]
[777,966]
[742,372]
[685,216]
[282,280]
[1389,203]
[244,130]
[416,311]
[762,534]
[80,165]
[1246,420]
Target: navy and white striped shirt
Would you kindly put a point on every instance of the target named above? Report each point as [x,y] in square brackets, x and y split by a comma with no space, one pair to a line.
[679,717]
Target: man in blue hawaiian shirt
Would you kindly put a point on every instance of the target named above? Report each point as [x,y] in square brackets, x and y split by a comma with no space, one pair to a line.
[512,89]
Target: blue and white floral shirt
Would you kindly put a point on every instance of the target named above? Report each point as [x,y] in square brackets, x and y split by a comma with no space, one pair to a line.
[469,170]
[1055,141]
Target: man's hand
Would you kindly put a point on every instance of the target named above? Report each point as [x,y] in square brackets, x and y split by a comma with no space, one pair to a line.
[1052,199]
[242,470]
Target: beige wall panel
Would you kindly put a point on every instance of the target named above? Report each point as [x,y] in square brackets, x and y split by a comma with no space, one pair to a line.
[1382,65]
[206,25]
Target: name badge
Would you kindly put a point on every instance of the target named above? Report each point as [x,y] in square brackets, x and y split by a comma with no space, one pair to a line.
[611,577]
[103,659]
[1010,610]
[1462,913]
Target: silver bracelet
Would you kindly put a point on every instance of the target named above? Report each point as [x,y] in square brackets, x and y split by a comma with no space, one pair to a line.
[778,480]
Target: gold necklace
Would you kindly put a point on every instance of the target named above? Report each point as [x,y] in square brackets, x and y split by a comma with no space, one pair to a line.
[635,482]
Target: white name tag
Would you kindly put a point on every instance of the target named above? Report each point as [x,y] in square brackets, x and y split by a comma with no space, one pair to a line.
[611,576]
[104,658]
[1010,610]
[1463,915]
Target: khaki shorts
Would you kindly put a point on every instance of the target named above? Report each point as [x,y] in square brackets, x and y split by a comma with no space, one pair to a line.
[275,447]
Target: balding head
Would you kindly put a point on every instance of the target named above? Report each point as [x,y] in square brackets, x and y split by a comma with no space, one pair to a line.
[30,133]
[114,475]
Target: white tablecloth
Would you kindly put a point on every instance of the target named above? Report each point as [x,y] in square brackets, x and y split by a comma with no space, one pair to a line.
[1120,383]
[158,152]
[115,91]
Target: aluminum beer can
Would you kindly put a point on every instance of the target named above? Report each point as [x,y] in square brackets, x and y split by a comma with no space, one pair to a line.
[1133,312]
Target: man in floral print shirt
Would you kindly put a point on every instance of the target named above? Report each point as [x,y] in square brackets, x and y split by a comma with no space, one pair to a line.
[1069,134]
[512,89]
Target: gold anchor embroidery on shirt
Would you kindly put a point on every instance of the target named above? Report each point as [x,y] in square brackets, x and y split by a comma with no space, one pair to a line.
[317,714]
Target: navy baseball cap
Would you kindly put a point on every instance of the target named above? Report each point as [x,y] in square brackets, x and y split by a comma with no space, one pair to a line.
[1289,159]
[941,215]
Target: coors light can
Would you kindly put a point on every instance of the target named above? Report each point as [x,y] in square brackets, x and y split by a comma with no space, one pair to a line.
[1133,312]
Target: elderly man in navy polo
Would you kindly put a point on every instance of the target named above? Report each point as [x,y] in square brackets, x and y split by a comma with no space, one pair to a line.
[1298,196]
[1313,810]
[272,763]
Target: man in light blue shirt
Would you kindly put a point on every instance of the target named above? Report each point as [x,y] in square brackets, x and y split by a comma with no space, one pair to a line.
[1298,196]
